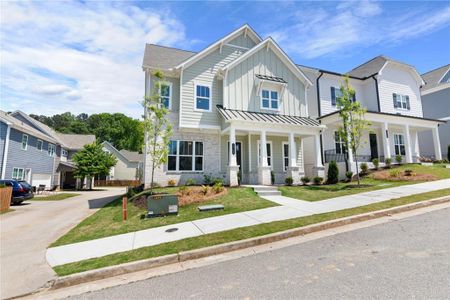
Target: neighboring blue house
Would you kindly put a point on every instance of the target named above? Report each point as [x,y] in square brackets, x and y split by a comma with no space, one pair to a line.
[32,151]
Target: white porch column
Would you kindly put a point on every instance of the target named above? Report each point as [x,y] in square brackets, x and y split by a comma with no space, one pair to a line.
[437,143]
[408,148]
[263,168]
[319,170]
[416,150]
[293,170]
[385,140]
[233,168]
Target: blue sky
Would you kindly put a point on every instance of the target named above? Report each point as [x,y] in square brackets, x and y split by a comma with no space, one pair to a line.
[86,56]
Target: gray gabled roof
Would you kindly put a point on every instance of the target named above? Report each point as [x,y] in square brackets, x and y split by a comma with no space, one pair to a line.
[369,68]
[242,115]
[432,78]
[164,58]
[75,141]
[132,156]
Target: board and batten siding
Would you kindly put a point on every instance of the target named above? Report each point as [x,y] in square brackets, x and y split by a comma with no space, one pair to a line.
[243,92]
[399,80]
[204,72]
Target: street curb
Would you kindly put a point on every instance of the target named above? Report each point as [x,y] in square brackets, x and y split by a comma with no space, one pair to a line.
[92,275]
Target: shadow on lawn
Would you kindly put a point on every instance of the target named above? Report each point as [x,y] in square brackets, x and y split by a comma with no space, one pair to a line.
[335,188]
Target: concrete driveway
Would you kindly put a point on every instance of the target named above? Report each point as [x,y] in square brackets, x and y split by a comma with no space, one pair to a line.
[31,228]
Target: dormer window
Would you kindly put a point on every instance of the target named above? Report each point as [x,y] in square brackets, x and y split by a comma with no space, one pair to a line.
[269,99]
[401,101]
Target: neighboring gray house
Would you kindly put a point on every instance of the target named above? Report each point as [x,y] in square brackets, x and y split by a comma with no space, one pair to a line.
[129,164]
[436,104]
[242,107]
[32,151]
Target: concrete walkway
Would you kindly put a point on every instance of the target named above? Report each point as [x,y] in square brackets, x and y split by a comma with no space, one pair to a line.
[31,228]
[289,208]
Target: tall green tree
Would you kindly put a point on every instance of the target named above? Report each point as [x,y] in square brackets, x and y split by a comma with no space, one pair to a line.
[354,124]
[157,127]
[93,160]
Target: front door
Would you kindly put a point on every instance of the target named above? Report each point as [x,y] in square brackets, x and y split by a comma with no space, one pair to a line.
[373,145]
[239,154]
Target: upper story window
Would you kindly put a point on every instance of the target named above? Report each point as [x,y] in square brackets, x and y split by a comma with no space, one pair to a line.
[269,99]
[39,144]
[337,93]
[339,143]
[64,152]
[203,97]
[185,156]
[401,101]
[166,94]
[24,142]
[51,149]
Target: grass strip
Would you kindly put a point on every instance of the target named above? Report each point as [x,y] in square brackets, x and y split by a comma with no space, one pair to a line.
[55,197]
[234,235]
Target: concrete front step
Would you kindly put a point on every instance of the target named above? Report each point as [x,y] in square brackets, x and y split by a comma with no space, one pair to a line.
[267,191]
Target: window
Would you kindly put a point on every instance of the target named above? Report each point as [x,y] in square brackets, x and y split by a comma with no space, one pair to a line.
[51,149]
[399,144]
[269,153]
[285,156]
[269,99]
[24,142]
[203,97]
[39,144]
[18,174]
[166,95]
[339,143]
[401,101]
[185,156]
[335,94]
[64,152]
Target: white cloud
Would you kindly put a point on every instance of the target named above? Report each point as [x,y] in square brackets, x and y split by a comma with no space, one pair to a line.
[354,25]
[78,57]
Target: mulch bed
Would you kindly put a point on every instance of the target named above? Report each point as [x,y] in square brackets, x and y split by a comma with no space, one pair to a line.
[385,175]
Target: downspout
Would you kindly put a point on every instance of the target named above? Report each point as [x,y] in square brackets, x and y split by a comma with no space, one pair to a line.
[5,153]
[378,93]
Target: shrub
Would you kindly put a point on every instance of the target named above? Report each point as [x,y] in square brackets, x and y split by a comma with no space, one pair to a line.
[289,181]
[305,179]
[388,162]
[171,182]
[272,177]
[218,187]
[218,181]
[184,190]
[398,159]
[376,163]
[409,172]
[333,173]
[349,175]
[394,173]
[207,179]
[190,181]
[318,180]
[205,189]
[364,168]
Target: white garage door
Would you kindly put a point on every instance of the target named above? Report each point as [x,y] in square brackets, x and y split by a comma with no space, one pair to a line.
[38,179]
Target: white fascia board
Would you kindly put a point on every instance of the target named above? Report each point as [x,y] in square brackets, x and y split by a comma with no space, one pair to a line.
[246,29]
[438,88]
[117,152]
[274,127]
[269,42]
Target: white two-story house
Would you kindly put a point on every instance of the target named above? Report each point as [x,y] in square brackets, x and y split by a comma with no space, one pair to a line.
[242,109]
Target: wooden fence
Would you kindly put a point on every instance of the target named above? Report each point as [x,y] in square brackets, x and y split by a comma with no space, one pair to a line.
[117,183]
[5,198]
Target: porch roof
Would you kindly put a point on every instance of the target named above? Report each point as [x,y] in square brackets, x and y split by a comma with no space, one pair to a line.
[242,115]
[386,114]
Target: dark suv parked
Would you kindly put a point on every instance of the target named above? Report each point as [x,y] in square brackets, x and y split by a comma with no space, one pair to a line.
[21,191]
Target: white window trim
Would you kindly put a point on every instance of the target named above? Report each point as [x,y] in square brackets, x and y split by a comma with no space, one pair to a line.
[18,178]
[21,144]
[177,158]
[398,144]
[195,96]
[48,150]
[258,143]
[42,144]
[64,150]
[403,100]
[284,157]
[336,88]
[170,85]
[270,99]
[341,142]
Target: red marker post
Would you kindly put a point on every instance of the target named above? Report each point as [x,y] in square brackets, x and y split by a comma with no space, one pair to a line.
[124,208]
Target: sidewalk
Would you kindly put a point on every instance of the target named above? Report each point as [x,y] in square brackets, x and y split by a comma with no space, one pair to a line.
[290,208]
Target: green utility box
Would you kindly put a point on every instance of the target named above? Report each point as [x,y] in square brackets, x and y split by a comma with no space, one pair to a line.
[162,205]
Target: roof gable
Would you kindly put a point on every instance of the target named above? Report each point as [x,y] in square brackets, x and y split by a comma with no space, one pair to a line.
[434,78]
[164,58]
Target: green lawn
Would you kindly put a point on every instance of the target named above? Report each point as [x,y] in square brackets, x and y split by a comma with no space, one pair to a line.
[316,193]
[54,197]
[234,235]
[108,220]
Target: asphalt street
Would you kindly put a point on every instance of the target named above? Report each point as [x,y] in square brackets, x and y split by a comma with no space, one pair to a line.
[401,259]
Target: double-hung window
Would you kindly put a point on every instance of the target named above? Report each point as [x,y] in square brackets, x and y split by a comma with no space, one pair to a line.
[401,101]
[339,143]
[64,152]
[18,174]
[24,142]
[166,94]
[335,94]
[285,156]
[51,149]
[269,153]
[399,144]
[269,99]
[185,156]
[203,97]
[39,144]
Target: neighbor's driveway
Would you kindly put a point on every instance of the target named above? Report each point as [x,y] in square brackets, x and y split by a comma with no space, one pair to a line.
[31,228]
